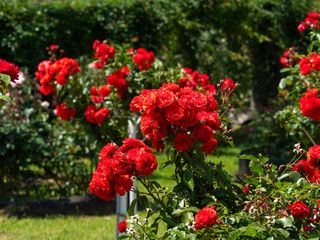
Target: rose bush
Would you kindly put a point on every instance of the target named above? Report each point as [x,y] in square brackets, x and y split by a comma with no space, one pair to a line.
[188,121]
[299,88]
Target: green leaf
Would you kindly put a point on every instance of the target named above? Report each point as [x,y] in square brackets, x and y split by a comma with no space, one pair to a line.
[284,176]
[251,232]
[249,157]
[188,179]
[282,83]
[285,233]
[294,176]
[131,208]
[302,182]
[6,78]
[286,222]
[6,98]
[257,168]
[144,201]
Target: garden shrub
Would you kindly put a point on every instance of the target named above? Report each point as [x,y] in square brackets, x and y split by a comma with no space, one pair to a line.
[196,34]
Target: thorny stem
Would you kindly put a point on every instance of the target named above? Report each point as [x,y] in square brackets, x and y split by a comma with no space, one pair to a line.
[152,195]
[310,138]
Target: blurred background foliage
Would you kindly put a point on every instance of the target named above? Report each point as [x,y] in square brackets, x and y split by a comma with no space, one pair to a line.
[42,157]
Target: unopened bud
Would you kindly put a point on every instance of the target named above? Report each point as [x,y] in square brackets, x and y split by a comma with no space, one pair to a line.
[218,85]
[230,139]
[237,84]
[230,106]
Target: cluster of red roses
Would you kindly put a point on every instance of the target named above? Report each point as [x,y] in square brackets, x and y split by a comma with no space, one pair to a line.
[309,168]
[194,79]
[288,57]
[118,81]
[206,217]
[185,114]
[310,104]
[311,21]
[96,116]
[143,59]
[299,210]
[65,113]
[9,69]
[104,52]
[309,64]
[104,91]
[118,165]
[59,70]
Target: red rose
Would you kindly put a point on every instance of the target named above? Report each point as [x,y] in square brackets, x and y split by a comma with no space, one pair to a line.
[210,118]
[245,189]
[209,146]
[314,156]
[305,66]
[187,70]
[165,98]
[204,79]
[183,142]
[174,113]
[228,84]
[65,113]
[104,91]
[130,143]
[121,164]
[299,209]
[207,217]
[310,105]
[9,69]
[101,187]
[123,184]
[146,163]
[210,88]
[303,167]
[302,27]
[122,226]
[107,152]
[46,89]
[202,133]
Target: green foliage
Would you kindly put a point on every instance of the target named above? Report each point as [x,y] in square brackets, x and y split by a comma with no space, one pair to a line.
[41,157]
[244,46]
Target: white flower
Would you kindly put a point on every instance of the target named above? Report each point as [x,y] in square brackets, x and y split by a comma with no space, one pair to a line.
[191,225]
[252,210]
[131,230]
[45,104]
[134,218]
[271,219]
[146,221]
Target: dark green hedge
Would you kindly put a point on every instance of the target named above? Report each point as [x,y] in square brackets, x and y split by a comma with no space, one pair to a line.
[238,39]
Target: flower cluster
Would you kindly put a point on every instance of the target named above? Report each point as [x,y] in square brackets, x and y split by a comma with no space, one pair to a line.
[96,116]
[104,52]
[309,64]
[9,69]
[104,91]
[288,57]
[311,21]
[206,217]
[194,79]
[65,113]
[143,59]
[118,165]
[310,104]
[309,168]
[299,209]
[48,71]
[184,114]
[118,81]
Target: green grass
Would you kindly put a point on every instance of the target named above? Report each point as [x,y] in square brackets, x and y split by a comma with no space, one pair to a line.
[58,227]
